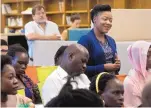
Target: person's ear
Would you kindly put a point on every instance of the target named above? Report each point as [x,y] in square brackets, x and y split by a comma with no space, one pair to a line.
[102,94]
[33,16]
[71,56]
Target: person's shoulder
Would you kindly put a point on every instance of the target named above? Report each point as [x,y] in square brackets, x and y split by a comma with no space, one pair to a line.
[86,37]
[24,100]
[52,77]
[65,31]
[29,23]
[128,81]
[52,23]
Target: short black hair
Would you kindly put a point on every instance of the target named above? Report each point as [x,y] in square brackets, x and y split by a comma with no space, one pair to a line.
[75,98]
[5,60]
[99,8]
[13,49]
[59,52]
[3,42]
[102,82]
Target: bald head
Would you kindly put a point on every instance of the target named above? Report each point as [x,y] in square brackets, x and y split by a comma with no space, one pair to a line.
[75,58]
[76,48]
[146,95]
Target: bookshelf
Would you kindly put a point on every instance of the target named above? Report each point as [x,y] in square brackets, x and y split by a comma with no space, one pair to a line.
[58,10]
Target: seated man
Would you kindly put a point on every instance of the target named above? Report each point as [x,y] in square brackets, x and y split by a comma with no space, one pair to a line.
[73,63]
[75,98]
[4,47]
[40,28]
[58,55]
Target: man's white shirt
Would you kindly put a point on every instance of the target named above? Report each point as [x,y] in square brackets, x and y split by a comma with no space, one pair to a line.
[55,81]
[33,27]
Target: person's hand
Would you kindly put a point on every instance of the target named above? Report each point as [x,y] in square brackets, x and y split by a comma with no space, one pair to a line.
[117,60]
[111,67]
[55,37]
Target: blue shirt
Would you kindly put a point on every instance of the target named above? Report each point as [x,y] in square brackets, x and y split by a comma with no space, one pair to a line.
[97,57]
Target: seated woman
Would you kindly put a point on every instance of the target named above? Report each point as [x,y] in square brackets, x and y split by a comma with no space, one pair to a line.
[9,86]
[139,55]
[75,98]
[109,88]
[20,60]
[75,23]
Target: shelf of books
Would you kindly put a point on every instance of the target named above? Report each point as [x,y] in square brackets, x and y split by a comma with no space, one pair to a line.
[16,13]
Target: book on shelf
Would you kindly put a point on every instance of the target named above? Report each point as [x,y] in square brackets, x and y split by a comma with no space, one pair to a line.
[11,21]
[68,20]
[6,9]
[61,6]
[3,9]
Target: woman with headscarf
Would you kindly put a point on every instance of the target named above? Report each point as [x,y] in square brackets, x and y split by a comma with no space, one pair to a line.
[139,55]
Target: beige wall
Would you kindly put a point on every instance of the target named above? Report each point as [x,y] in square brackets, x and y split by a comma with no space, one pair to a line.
[131,24]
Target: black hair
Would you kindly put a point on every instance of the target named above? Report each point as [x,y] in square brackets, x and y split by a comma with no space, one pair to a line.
[75,98]
[5,60]
[99,8]
[102,82]
[3,42]
[13,49]
[59,53]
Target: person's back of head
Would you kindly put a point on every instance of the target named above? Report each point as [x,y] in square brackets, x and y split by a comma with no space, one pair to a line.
[146,96]
[59,54]
[106,85]
[75,98]
[4,47]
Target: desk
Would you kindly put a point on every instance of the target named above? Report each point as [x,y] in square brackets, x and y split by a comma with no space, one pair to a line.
[11,34]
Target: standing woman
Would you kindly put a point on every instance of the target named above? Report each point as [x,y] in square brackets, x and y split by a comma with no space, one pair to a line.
[101,47]
[20,60]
